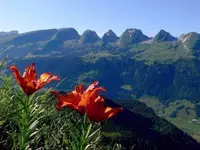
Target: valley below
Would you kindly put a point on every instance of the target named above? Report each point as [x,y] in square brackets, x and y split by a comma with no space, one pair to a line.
[182,113]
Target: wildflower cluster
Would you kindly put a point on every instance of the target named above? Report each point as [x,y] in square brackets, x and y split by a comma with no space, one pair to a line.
[82,101]
[86,102]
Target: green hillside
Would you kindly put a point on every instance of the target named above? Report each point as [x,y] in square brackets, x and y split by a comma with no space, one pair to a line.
[182,113]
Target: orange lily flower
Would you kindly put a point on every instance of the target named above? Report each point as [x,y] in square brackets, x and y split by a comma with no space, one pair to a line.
[78,99]
[70,100]
[96,111]
[29,82]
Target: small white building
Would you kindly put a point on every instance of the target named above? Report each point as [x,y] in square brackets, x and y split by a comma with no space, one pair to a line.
[194,120]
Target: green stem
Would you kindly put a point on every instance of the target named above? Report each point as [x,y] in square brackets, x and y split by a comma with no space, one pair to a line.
[82,130]
[25,118]
[85,137]
[86,131]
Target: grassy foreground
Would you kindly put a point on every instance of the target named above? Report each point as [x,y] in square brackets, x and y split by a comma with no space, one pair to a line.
[30,120]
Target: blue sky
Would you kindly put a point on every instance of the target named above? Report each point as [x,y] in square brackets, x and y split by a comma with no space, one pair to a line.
[174,16]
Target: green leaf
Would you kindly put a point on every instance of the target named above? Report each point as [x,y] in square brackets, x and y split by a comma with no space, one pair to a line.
[2,122]
[2,62]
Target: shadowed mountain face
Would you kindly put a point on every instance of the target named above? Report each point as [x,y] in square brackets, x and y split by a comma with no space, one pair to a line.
[109,37]
[157,132]
[33,37]
[89,36]
[123,77]
[66,34]
[132,36]
[163,36]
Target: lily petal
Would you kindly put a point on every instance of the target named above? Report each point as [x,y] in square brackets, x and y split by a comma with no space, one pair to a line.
[79,89]
[94,94]
[44,79]
[92,86]
[96,111]
[110,112]
[30,73]
[17,75]
[70,100]
[69,105]
[90,94]
[28,81]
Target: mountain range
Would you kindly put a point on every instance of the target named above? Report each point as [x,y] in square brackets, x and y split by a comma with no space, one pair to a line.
[162,66]
[129,36]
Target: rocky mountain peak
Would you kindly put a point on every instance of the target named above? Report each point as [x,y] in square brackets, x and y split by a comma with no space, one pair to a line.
[109,37]
[163,36]
[89,36]
[132,36]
